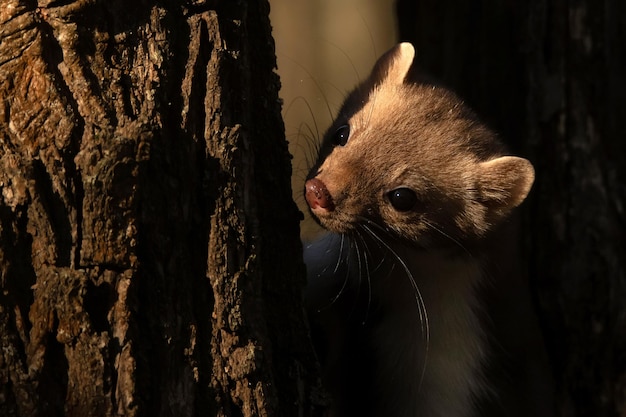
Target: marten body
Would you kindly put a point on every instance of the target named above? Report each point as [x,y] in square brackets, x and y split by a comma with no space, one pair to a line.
[416,193]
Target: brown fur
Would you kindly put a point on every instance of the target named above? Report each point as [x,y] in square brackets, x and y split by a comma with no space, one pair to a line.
[422,136]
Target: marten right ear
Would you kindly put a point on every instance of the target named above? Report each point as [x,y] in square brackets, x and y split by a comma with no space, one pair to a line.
[394,65]
[504,183]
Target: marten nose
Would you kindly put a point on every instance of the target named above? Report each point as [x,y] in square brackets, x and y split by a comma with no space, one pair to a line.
[317,195]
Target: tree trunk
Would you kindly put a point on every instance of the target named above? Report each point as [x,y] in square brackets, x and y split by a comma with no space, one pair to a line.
[150,259]
[550,75]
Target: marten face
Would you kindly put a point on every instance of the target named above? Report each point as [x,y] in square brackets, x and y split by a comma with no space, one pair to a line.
[409,158]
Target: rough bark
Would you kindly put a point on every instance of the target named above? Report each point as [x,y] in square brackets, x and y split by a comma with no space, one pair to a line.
[550,75]
[149,259]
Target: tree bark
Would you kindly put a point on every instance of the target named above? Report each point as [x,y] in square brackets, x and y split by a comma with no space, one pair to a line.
[150,259]
[550,76]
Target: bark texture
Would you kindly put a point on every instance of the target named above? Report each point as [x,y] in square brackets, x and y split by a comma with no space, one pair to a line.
[550,75]
[149,262]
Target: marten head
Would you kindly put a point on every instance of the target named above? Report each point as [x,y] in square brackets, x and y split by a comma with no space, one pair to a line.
[409,157]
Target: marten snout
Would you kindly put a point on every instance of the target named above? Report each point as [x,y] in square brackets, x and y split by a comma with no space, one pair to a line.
[317,195]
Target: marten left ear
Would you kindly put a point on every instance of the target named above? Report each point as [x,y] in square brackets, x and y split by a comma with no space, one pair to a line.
[394,65]
[504,183]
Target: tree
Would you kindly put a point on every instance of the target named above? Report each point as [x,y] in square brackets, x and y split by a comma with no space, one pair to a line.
[550,76]
[150,259]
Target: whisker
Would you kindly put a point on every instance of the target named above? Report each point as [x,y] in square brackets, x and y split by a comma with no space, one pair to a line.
[418,294]
[347,56]
[367,277]
[315,82]
[314,133]
[447,236]
[343,239]
[357,251]
[369,32]
[311,137]
[419,300]
[382,259]
[340,259]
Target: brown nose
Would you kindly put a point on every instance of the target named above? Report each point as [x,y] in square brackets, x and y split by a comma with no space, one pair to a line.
[317,195]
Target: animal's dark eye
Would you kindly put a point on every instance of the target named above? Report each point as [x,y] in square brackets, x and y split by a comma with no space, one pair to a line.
[341,135]
[402,199]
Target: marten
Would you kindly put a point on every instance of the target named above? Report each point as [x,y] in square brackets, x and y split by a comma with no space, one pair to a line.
[417,196]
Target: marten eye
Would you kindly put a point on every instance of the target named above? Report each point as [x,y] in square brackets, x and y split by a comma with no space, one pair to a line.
[340,137]
[402,199]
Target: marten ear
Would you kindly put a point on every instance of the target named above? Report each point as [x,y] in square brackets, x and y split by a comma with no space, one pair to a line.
[394,65]
[504,183]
